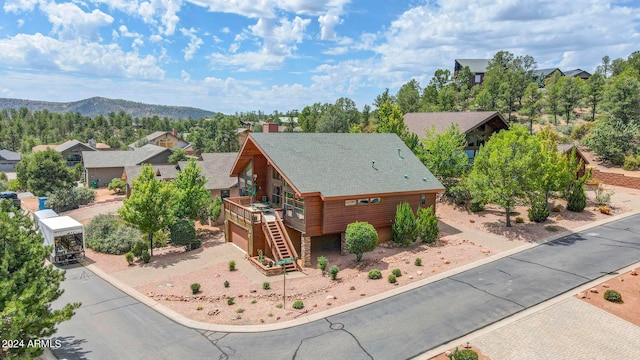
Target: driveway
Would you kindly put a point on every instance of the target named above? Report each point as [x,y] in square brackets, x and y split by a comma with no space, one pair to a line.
[112,325]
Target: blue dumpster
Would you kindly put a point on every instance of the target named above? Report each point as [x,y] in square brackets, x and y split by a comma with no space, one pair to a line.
[41,201]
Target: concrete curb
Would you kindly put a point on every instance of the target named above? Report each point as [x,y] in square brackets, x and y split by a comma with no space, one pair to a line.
[183,320]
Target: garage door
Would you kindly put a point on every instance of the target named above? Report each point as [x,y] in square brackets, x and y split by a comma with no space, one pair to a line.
[239,236]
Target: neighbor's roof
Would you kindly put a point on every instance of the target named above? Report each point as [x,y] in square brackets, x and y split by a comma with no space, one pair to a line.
[216,168]
[162,172]
[72,143]
[546,72]
[107,159]
[475,65]
[344,164]
[44,147]
[577,72]
[419,123]
[9,155]
[152,136]
[567,148]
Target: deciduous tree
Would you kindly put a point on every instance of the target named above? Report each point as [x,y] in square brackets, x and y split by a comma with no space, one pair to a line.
[443,154]
[360,237]
[192,197]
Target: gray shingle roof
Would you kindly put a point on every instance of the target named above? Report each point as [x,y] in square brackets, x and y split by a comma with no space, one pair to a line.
[72,143]
[418,123]
[475,65]
[577,72]
[346,164]
[546,72]
[9,155]
[216,168]
[167,172]
[107,159]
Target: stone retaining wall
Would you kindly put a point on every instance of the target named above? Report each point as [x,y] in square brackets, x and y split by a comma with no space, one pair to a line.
[616,179]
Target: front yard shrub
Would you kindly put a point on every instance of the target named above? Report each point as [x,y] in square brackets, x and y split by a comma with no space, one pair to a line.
[577,199]
[464,354]
[139,247]
[129,256]
[476,205]
[279,306]
[458,194]
[226,283]
[106,233]
[146,257]
[298,304]
[322,263]
[605,209]
[603,195]
[240,310]
[418,262]
[65,199]
[361,237]
[195,288]
[118,186]
[427,225]
[392,279]
[266,285]
[631,162]
[333,272]
[232,265]
[613,296]
[396,272]
[519,220]
[405,229]
[231,301]
[183,233]
[538,211]
[375,274]
[160,239]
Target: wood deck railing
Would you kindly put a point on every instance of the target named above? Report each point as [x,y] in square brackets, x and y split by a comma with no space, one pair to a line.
[235,209]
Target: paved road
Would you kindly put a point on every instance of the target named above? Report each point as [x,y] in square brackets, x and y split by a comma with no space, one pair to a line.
[112,325]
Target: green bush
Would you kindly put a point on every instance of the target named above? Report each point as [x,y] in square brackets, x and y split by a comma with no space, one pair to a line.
[405,229]
[146,257]
[519,220]
[375,274]
[3,176]
[427,224]
[396,272]
[226,283]
[195,288]
[603,195]
[139,247]
[418,262]
[129,256]
[361,237]
[183,233]
[392,278]
[322,263]
[160,239]
[458,194]
[65,199]
[266,285]
[298,304]
[14,185]
[631,162]
[464,354]
[230,301]
[240,310]
[476,205]
[232,265]
[118,186]
[577,199]
[613,296]
[333,272]
[538,211]
[581,130]
[106,233]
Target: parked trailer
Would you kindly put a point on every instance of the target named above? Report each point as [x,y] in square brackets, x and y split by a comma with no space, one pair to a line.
[42,214]
[66,236]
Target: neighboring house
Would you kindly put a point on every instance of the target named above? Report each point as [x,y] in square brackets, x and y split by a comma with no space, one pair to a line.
[546,73]
[107,165]
[477,66]
[165,139]
[216,168]
[568,149]
[577,73]
[8,160]
[71,150]
[162,172]
[299,191]
[478,126]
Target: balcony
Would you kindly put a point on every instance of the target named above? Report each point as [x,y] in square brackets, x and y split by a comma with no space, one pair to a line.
[240,211]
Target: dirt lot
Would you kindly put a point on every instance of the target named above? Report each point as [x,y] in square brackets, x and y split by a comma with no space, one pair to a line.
[628,286]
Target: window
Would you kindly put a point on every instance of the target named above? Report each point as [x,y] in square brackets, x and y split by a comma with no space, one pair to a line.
[224,194]
[477,79]
[375,200]
[276,175]
[363,201]
[276,195]
[423,199]
[349,203]
[293,206]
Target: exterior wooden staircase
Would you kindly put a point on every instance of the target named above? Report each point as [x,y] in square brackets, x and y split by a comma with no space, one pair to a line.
[280,243]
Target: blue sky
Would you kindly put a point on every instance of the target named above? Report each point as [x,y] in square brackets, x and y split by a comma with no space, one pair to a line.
[244,55]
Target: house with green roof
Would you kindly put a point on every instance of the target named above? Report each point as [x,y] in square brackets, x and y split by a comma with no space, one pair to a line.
[299,191]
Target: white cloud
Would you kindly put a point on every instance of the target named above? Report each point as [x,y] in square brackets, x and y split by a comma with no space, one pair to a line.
[185,76]
[328,22]
[194,43]
[41,52]
[19,5]
[20,23]
[70,22]
[155,38]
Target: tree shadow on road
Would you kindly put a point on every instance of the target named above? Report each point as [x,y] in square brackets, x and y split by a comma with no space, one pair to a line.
[71,348]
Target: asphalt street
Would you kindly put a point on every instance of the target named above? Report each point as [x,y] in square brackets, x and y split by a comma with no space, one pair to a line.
[112,325]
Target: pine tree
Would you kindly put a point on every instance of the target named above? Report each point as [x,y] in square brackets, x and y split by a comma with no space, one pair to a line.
[27,286]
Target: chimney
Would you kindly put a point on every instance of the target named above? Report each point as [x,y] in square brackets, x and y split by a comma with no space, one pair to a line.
[92,143]
[175,132]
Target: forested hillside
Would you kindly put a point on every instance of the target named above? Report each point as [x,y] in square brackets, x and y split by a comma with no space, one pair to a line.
[102,106]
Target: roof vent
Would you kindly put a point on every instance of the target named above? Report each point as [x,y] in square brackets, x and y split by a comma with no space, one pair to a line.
[373,164]
[424,179]
[399,155]
[406,176]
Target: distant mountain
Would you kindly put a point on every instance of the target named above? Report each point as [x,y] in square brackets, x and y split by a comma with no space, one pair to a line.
[102,106]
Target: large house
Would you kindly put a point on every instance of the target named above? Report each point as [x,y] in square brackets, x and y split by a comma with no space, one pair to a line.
[71,150]
[8,160]
[478,126]
[104,166]
[216,168]
[165,139]
[477,66]
[299,191]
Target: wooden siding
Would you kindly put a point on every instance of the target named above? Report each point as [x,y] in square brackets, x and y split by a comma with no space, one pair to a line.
[313,215]
[260,169]
[337,216]
[296,238]
[239,236]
